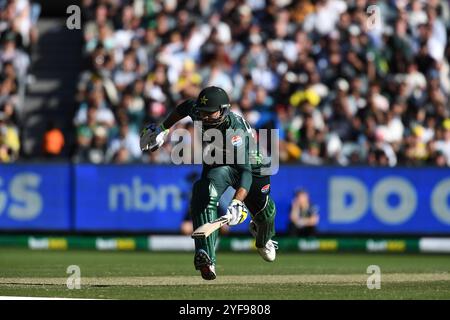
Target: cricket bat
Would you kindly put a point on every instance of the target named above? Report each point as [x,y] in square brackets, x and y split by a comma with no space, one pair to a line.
[205,230]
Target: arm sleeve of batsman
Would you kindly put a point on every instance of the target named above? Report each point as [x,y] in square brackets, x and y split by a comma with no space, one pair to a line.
[243,165]
[237,208]
[184,109]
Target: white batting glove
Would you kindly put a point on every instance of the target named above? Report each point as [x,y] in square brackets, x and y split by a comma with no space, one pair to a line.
[238,212]
[152,137]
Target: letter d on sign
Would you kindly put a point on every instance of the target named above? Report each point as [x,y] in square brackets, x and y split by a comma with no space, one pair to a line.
[341,188]
[374,280]
[74,280]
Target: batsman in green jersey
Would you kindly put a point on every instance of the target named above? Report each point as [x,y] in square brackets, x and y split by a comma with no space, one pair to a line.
[231,160]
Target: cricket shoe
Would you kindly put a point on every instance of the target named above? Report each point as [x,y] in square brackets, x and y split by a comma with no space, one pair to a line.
[203,263]
[268,252]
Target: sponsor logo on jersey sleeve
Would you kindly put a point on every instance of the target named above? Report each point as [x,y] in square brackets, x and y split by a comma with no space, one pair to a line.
[266,188]
[236,141]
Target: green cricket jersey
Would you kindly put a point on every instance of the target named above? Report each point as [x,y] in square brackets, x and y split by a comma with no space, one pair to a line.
[236,148]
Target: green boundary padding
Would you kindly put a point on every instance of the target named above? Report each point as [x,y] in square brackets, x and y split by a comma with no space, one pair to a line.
[286,244]
[16,241]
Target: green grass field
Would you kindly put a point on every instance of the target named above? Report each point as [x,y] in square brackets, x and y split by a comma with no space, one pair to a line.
[150,275]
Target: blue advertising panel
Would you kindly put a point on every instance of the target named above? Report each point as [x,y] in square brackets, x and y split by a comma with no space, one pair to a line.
[35,197]
[155,198]
[369,200]
[132,198]
[350,200]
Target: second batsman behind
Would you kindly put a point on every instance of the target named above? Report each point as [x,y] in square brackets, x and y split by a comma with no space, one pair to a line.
[212,109]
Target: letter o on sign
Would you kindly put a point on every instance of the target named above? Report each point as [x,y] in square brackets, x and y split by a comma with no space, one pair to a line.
[439,201]
[407,204]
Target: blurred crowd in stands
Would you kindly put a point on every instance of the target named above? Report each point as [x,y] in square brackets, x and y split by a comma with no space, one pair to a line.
[344,84]
[18,34]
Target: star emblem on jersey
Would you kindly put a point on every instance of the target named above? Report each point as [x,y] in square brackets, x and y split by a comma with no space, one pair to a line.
[203,100]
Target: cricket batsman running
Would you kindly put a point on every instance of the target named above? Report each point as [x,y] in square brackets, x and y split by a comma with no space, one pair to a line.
[212,109]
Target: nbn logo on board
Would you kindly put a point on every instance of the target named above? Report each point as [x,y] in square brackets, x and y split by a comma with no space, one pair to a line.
[139,196]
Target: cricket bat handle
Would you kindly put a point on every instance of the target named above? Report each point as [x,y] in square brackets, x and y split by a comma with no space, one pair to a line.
[227,217]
